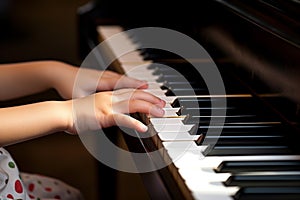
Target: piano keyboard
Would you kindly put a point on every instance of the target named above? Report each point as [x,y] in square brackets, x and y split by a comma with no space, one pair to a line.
[252,158]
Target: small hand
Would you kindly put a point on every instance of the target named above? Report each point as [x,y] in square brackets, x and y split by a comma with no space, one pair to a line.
[105,109]
[73,82]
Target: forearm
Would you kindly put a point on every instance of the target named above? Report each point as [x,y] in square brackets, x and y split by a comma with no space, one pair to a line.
[21,79]
[21,123]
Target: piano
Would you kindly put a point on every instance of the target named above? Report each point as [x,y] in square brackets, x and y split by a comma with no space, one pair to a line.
[251,150]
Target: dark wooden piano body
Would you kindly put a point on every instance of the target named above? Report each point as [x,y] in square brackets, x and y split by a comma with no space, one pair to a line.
[256,41]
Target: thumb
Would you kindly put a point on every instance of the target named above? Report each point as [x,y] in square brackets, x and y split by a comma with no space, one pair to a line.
[130,122]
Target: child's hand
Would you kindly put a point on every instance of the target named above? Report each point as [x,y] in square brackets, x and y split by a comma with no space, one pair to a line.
[73,82]
[87,111]
[105,109]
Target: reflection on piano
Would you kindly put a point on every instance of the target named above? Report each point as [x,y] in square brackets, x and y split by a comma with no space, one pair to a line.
[255,45]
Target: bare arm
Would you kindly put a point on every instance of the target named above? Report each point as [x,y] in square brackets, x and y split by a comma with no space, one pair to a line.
[100,110]
[22,79]
[22,123]
[25,122]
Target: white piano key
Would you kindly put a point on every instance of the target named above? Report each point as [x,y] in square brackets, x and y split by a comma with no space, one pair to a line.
[212,162]
[156,92]
[204,182]
[177,136]
[210,189]
[133,56]
[186,149]
[166,121]
[107,31]
[120,43]
[198,171]
[168,105]
[169,99]
[154,85]
[172,127]
[137,66]
[145,78]
[139,74]
[171,112]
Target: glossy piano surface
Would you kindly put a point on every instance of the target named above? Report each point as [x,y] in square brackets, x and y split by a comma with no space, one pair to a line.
[255,45]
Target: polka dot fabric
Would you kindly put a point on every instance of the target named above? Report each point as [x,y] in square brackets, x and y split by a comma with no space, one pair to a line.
[25,186]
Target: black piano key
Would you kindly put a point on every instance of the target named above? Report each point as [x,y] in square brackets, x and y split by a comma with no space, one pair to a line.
[191,78]
[241,139]
[263,193]
[179,68]
[164,70]
[215,128]
[229,116]
[257,166]
[255,146]
[245,140]
[159,70]
[196,111]
[228,110]
[157,54]
[190,102]
[244,150]
[264,179]
[190,119]
[186,91]
[245,103]
[193,74]
[238,129]
[173,79]
[247,133]
[184,110]
[234,105]
[240,135]
[182,85]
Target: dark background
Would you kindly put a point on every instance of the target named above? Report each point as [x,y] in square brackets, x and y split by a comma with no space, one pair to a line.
[42,30]
[48,30]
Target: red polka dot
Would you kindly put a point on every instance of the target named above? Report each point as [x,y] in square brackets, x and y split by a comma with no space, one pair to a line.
[18,186]
[31,196]
[48,189]
[31,187]
[10,196]
[57,197]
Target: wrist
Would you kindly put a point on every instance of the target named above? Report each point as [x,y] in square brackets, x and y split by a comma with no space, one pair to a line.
[65,116]
[62,78]
[54,71]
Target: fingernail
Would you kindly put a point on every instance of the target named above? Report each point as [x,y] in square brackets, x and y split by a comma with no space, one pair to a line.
[144,84]
[163,102]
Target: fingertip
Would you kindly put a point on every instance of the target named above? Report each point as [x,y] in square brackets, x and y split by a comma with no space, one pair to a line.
[157,111]
[163,102]
[142,128]
[143,85]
